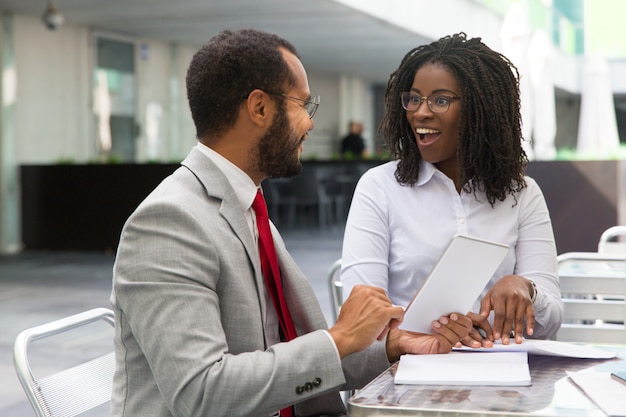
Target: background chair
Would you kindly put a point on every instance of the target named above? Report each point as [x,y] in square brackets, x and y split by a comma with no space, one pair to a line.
[334,281]
[335,286]
[306,193]
[593,287]
[72,390]
[610,241]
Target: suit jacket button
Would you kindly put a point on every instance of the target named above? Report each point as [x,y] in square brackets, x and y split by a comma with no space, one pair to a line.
[317,382]
[299,389]
[308,386]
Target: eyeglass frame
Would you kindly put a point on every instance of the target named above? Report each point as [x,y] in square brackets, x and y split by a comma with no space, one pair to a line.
[314,101]
[427,100]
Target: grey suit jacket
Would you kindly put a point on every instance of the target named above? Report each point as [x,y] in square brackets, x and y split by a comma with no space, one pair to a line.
[189,313]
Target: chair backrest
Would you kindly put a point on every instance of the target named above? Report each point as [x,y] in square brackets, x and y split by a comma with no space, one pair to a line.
[334,281]
[610,241]
[593,289]
[306,187]
[73,390]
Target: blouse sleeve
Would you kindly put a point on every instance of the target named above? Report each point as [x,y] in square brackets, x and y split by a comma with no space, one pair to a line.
[366,240]
[536,260]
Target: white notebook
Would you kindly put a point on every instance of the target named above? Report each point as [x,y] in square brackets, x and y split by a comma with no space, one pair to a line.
[455,282]
[465,368]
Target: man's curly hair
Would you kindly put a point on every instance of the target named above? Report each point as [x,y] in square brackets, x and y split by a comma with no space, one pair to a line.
[226,69]
[490,153]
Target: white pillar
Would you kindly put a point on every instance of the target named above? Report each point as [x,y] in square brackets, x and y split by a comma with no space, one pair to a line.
[9,184]
[175,148]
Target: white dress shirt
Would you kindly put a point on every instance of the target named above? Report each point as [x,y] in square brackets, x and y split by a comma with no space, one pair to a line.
[395,234]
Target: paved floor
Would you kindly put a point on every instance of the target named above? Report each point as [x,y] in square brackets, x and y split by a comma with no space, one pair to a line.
[39,287]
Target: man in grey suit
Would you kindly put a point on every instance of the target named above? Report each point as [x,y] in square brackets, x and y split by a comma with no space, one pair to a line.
[196,332]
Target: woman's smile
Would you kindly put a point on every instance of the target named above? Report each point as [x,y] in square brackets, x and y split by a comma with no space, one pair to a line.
[427,136]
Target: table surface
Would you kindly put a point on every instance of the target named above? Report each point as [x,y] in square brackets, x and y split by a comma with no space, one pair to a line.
[551,394]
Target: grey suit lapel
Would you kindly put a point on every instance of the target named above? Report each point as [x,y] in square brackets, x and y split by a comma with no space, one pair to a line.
[217,186]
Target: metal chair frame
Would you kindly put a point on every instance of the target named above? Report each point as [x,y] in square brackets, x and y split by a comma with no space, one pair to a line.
[335,286]
[594,305]
[71,391]
[610,243]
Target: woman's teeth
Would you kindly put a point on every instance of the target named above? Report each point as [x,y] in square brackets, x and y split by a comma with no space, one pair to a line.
[422,131]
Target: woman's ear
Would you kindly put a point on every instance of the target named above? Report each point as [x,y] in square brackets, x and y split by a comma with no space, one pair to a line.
[259,106]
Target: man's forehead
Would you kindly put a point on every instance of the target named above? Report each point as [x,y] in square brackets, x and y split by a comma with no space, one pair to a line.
[297,70]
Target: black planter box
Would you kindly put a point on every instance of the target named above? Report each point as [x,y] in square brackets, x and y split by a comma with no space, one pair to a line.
[83,207]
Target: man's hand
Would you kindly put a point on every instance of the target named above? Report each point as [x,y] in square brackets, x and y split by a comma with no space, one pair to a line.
[365,316]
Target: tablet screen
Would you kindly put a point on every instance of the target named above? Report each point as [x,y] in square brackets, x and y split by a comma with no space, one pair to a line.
[455,282]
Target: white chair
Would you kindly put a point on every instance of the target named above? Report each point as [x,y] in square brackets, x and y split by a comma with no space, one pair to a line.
[72,390]
[335,285]
[593,287]
[610,241]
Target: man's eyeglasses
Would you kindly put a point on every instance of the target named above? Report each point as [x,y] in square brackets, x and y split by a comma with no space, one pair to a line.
[437,103]
[309,105]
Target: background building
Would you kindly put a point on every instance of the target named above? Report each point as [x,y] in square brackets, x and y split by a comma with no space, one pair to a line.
[106,84]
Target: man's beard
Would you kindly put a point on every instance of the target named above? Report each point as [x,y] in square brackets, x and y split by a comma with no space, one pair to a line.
[278,154]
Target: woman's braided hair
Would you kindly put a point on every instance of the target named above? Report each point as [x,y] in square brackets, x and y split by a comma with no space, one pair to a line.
[489,152]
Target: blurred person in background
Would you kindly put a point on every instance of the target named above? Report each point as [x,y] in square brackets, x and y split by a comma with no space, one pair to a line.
[353,144]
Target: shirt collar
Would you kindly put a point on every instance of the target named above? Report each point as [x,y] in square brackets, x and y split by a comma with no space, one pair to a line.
[427,171]
[245,189]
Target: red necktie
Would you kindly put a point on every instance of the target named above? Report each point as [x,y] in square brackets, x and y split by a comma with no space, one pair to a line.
[271,272]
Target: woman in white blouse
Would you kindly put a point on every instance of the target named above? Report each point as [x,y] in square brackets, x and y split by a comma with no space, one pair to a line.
[453,127]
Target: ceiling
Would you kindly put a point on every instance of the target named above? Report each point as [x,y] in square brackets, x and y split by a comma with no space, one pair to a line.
[330,37]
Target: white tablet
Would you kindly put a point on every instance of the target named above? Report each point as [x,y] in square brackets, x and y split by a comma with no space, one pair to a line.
[455,282]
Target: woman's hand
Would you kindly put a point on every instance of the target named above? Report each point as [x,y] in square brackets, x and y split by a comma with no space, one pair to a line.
[511,301]
[448,331]
[481,334]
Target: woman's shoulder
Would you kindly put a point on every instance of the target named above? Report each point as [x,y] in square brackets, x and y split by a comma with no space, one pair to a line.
[530,192]
[380,177]
[382,171]
[531,184]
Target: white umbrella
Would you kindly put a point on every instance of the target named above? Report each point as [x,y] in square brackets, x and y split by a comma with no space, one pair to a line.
[597,125]
[540,53]
[515,35]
